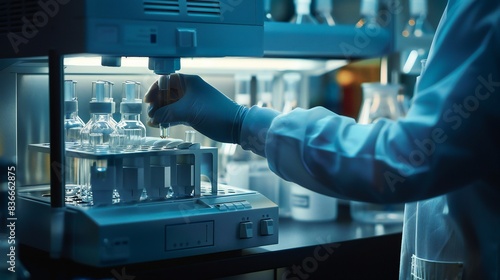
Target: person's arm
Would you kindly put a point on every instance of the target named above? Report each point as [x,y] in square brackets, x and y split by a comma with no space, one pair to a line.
[448,139]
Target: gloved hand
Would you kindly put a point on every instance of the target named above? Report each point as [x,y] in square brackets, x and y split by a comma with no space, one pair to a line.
[197,104]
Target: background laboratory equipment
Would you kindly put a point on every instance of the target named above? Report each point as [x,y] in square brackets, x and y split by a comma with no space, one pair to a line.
[417,27]
[265,89]
[234,160]
[73,125]
[323,12]
[368,11]
[295,200]
[303,13]
[379,101]
[261,178]
[268,16]
[104,231]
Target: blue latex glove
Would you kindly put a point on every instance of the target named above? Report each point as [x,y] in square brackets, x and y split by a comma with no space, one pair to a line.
[197,104]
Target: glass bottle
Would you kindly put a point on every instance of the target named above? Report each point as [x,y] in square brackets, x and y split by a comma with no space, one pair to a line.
[73,124]
[265,88]
[379,101]
[130,125]
[303,13]
[369,10]
[324,12]
[95,135]
[417,27]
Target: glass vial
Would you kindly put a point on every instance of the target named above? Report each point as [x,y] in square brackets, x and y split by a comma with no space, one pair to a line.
[130,125]
[101,121]
[72,122]
[379,101]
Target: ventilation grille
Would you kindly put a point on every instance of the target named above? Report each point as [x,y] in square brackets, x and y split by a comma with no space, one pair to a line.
[163,7]
[209,8]
[12,13]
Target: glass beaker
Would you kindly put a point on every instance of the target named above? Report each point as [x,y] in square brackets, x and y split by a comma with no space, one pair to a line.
[379,101]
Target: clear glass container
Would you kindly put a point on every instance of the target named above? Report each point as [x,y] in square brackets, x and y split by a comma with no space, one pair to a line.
[265,88]
[291,88]
[130,125]
[417,28]
[73,124]
[242,94]
[303,13]
[323,12]
[369,10]
[101,123]
[379,101]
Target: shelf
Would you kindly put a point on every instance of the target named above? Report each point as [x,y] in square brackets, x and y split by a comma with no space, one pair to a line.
[283,39]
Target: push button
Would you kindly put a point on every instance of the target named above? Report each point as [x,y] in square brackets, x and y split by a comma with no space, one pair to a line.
[246,230]
[267,227]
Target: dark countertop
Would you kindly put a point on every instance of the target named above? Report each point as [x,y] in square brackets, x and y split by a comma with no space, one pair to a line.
[339,249]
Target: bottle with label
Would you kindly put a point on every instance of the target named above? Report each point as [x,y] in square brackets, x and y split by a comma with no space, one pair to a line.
[295,200]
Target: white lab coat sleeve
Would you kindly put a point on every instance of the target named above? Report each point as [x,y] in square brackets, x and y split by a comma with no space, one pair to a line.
[448,139]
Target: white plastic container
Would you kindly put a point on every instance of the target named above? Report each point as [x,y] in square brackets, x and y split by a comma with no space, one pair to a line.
[307,205]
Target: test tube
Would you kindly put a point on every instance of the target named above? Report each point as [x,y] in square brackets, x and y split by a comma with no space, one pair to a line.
[164,130]
[163,86]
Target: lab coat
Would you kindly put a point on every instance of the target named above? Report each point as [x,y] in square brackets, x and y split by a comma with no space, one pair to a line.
[442,159]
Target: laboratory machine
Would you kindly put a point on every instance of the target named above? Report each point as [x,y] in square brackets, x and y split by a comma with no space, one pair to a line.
[106,193]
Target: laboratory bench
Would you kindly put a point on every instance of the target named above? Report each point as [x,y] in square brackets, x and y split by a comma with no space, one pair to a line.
[339,249]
